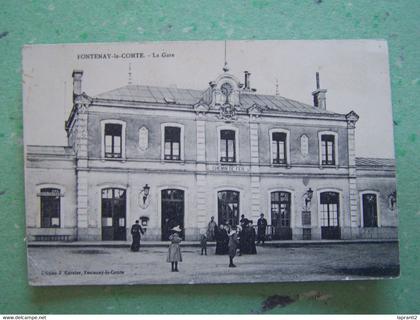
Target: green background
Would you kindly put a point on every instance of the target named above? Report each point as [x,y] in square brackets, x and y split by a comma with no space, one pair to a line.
[25,22]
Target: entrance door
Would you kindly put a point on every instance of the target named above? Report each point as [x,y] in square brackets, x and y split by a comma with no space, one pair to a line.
[172,211]
[370,210]
[113,214]
[228,207]
[330,215]
[280,215]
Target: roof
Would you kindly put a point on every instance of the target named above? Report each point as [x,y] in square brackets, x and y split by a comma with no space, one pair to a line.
[375,162]
[53,150]
[152,94]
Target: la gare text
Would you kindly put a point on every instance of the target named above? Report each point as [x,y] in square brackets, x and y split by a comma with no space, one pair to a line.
[124,55]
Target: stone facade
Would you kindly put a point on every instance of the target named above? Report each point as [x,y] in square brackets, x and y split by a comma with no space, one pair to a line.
[82,170]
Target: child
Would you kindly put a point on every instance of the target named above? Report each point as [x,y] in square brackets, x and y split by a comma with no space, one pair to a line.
[174,252]
[203,242]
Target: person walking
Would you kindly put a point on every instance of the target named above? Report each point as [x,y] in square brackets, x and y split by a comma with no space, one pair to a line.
[136,232]
[211,229]
[233,246]
[261,226]
[174,252]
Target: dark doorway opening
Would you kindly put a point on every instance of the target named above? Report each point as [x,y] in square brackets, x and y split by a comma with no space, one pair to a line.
[280,215]
[330,215]
[113,214]
[172,212]
[228,207]
[370,210]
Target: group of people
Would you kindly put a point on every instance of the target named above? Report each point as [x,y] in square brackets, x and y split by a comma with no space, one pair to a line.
[229,238]
[245,233]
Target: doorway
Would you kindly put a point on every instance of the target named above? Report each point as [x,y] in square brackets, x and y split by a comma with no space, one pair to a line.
[280,215]
[173,208]
[330,215]
[113,203]
[228,207]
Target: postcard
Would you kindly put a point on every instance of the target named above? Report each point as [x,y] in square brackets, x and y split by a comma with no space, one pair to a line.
[209,162]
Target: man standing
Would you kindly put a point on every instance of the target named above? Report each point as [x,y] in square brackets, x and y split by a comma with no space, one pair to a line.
[211,229]
[233,246]
[242,221]
[262,226]
[136,232]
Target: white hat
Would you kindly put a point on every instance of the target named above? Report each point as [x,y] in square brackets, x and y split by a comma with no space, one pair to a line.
[177,229]
[203,231]
[232,233]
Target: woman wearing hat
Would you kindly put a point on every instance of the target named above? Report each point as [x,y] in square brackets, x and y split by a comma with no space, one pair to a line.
[174,252]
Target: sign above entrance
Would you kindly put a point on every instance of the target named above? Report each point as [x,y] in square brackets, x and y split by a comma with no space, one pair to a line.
[228,168]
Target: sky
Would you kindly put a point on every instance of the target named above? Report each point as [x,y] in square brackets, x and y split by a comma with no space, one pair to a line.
[355,73]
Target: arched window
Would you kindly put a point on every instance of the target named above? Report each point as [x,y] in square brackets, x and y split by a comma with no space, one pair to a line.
[370,210]
[113,207]
[50,207]
[281,214]
[173,210]
[228,207]
[330,215]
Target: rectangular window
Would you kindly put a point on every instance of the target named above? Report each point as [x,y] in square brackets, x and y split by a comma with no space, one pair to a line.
[172,147]
[113,145]
[227,146]
[278,147]
[50,208]
[328,149]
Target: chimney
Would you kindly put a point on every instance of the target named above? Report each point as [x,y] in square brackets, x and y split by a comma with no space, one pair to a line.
[320,98]
[247,85]
[77,82]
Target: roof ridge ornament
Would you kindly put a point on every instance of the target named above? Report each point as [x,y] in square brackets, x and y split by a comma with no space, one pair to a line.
[225,67]
[256,110]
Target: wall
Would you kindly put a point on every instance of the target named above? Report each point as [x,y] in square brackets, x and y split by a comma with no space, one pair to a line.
[96,21]
[38,177]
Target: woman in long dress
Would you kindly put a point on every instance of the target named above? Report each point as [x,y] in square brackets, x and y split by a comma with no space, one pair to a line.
[174,251]
[219,239]
[225,240]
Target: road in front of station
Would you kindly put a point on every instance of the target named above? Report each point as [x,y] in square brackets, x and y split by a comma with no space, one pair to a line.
[113,266]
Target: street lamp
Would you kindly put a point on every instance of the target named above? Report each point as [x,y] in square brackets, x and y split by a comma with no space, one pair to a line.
[308,197]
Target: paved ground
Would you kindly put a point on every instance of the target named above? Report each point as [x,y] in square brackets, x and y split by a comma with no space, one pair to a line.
[98,265]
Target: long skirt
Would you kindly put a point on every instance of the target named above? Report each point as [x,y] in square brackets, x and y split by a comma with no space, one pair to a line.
[219,247]
[135,246]
[174,253]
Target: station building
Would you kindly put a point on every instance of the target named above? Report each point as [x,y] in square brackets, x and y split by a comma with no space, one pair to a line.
[171,156]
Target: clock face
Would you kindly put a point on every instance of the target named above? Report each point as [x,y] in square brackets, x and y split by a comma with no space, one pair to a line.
[226,89]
